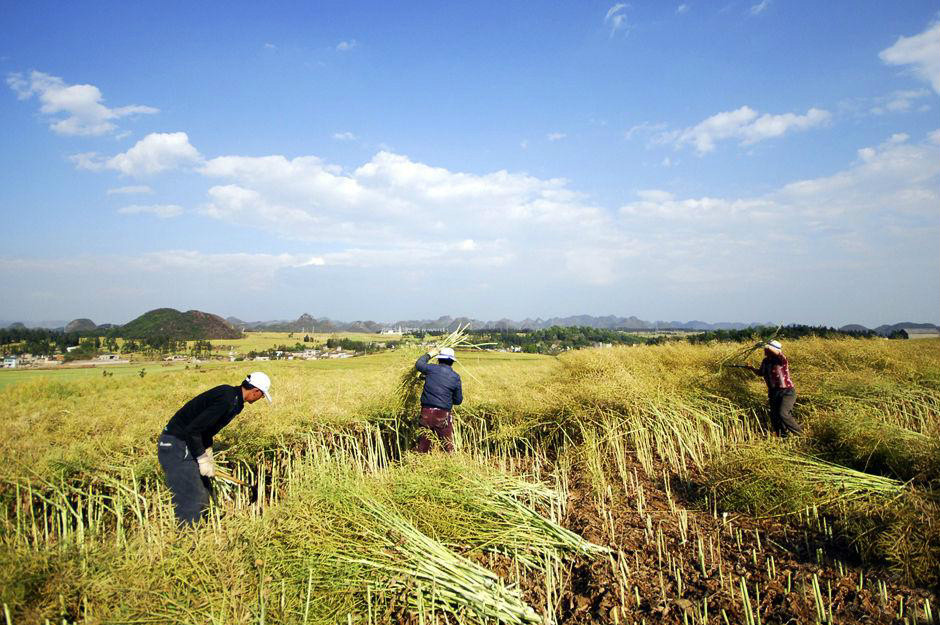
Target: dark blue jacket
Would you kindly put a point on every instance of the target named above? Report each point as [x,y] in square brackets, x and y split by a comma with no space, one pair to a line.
[204,415]
[442,387]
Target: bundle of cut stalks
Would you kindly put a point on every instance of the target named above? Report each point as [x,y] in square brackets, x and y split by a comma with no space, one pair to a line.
[740,356]
[490,510]
[772,479]
[871,444]
[886,520]
[365,542]
[443,579]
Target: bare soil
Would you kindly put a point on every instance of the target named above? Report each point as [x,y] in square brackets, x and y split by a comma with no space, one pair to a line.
[774,560]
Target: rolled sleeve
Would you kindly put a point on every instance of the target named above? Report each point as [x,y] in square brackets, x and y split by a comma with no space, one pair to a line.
[422,363]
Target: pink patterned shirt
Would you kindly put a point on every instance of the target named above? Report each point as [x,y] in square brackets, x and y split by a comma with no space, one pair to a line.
[776,373]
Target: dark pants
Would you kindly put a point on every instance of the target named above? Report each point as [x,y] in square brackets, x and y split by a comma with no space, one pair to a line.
[440,422]
[781,412]
[190,490]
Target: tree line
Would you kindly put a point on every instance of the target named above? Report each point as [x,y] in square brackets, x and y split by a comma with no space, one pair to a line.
[790,332]
[46,342]
[551,340]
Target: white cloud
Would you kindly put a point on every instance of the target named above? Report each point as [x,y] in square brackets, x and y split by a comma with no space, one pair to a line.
[865,224]
[394,223]
[395,212]
[344,136]
[745,125]
[346,46]
[131,190]
[896,177]
[76,109]
[682,9]
[555,136]
[155,153]
[270,46]
[163,211]
[901,101]
[645,128]
[616,17]
[759,8]
[921,52]
[655,195]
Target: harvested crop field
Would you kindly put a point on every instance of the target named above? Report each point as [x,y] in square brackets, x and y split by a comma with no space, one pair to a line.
[625,485]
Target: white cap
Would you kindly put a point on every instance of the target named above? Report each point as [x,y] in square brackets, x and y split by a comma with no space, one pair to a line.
[261,382]
[447,354]
[775,345]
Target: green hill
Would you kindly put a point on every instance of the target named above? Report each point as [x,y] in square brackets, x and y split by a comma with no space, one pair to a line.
[80,325]
[188,326]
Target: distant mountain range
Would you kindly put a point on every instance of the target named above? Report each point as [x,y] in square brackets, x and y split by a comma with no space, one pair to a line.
[159,323]
[308,323]
[886,330]
[195,324]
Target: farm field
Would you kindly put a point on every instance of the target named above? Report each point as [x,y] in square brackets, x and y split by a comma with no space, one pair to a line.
[623,485]
[87,374]
[258,341]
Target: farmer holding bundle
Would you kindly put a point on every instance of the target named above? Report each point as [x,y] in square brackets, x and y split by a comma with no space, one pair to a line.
[775,369]
[184,449]
[442,390]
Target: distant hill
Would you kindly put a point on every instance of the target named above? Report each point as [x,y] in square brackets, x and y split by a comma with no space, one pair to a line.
[306,323]
[50,325]
[80,325]
[608,322]
[886,330]
[188,326]
[854,327]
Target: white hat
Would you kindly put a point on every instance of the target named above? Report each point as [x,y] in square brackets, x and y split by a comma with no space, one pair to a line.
[261,382]
[775,345]
[447,354]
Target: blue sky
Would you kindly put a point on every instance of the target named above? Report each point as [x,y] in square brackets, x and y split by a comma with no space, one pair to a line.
[760,160]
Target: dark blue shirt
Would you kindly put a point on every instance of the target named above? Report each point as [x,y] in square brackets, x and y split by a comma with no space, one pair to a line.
[442,385]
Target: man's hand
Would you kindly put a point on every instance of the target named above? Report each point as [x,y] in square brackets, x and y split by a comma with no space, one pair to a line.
[206,465]
[434,352]
[209,453]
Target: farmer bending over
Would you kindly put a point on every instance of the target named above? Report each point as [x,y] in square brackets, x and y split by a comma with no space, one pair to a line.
[441,392]
[775,369]
[185,447]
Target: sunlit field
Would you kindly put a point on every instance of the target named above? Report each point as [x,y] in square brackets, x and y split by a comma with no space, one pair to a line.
[633,484]
[258,341]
